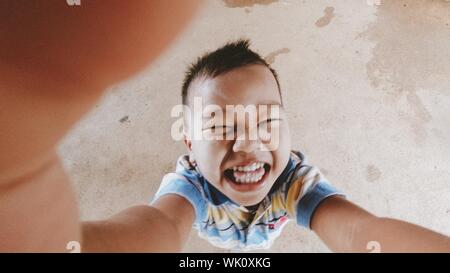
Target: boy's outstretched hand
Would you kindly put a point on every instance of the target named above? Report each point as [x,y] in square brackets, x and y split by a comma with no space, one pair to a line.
[56,60]
[345,227]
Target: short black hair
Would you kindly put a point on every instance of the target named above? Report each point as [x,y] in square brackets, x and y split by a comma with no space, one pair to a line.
[230,56]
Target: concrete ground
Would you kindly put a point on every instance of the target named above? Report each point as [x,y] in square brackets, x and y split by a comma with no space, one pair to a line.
[367,88]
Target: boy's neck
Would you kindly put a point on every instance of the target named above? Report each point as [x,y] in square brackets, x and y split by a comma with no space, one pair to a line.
[252,208]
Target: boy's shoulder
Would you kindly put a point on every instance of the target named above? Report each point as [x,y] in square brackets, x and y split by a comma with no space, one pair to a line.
[305,188]
[186,182]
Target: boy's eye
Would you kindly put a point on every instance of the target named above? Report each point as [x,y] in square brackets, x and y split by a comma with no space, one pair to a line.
[219,129]
[266,127]
[269,121]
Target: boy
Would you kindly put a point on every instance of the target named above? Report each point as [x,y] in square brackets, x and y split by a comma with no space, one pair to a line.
[239,191]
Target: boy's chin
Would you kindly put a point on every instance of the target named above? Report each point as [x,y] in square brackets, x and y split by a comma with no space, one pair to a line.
[250,203]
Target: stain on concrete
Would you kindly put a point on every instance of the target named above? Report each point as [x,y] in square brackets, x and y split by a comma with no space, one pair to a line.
[124,119]
[168,168]
[372,173]
[326,18]
[404,61]
[387,204]
[270,58]
[247,3]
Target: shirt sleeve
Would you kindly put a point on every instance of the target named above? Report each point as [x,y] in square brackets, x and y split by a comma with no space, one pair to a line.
[175,183]
[308,188]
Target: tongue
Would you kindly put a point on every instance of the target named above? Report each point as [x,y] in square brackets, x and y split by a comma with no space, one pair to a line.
[241,174]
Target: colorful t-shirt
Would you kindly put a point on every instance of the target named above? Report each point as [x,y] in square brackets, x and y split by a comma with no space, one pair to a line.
[294,196]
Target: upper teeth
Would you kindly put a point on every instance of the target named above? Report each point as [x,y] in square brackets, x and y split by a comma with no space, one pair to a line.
[248,168]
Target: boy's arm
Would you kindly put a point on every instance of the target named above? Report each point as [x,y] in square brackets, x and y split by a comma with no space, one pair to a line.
[162,227]
[55,62]
[345,227]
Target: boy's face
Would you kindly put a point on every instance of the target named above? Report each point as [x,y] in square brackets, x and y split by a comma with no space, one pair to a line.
[242,167]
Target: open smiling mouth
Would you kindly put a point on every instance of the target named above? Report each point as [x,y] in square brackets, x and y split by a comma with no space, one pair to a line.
[247,177]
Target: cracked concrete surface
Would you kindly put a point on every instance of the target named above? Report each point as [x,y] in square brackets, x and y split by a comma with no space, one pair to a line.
[367,88]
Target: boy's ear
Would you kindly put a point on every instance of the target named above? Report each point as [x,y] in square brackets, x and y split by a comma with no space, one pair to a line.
[187,140]
[188,144]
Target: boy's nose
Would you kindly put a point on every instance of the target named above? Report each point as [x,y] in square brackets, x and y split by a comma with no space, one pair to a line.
[245,144]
